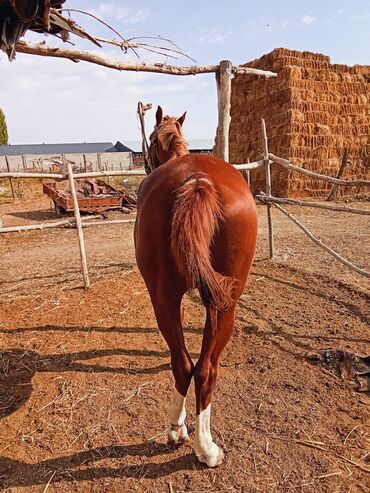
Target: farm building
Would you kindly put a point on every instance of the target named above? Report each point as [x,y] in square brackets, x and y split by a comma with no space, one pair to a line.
[314,110]
[41,157]
[99,155]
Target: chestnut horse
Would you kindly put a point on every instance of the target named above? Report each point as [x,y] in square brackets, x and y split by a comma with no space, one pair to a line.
[196,227]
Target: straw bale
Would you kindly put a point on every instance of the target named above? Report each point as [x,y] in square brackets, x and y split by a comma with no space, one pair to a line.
[313,110]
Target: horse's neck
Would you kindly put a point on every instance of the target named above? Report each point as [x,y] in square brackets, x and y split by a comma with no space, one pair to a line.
[178,148]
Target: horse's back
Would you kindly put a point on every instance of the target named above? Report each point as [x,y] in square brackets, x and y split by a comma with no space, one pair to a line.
[159,186]
[234,244]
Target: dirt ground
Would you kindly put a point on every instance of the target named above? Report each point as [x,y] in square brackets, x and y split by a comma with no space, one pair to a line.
[85,377]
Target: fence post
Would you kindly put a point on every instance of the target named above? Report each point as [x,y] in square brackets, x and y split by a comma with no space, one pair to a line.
[268,188]
[10,179]
[223,80]
[81,241]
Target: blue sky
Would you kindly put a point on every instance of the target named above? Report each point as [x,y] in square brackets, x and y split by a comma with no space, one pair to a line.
[47,100]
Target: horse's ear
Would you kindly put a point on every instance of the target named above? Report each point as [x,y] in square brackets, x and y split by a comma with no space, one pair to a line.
[158,116]
[182,118]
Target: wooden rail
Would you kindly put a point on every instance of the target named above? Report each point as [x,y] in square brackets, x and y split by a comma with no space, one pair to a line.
[330,179]
[59,176]
[95,174]
[318,242]
[265,199]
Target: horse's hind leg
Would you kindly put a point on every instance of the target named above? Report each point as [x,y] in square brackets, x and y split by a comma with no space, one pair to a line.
[215,339]
[168,311]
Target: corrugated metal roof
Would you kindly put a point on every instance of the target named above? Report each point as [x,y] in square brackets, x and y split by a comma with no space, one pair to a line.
[53,149]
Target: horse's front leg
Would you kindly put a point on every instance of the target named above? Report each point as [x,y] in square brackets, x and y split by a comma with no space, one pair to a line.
[205,377]
[169,314]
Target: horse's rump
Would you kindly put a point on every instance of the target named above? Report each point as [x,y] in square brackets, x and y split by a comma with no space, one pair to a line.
[197,215]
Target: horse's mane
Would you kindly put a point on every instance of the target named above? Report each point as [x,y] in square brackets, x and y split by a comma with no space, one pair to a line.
[170,135]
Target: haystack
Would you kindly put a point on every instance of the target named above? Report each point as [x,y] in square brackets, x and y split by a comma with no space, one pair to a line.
[313,111]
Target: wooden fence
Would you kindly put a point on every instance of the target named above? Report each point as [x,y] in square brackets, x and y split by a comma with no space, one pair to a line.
[224,72]
[270,201]
[266,198]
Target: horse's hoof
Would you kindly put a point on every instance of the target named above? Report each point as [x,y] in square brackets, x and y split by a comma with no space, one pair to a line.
[212,460]
[177,434]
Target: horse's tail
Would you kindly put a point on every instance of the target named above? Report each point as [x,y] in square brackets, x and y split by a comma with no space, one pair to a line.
[196,217]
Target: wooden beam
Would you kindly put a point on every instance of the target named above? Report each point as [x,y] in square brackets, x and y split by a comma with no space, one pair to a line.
[76,55]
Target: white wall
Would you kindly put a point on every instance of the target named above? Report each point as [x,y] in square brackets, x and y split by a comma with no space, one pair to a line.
[108,160]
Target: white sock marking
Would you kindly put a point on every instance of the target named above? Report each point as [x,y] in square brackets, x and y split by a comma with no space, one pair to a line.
[205,448]
[177,415]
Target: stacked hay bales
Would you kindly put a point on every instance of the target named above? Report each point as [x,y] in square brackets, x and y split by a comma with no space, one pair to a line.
[313,111]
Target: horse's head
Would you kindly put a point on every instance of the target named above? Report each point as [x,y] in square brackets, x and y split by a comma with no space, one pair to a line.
[166,140]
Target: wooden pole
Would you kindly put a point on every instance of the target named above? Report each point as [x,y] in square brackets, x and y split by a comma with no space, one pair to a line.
[10,179]
[81,241]
[85,162]
[223,81]
[268,188]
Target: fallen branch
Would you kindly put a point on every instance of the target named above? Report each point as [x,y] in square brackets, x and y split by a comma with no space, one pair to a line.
[287,164]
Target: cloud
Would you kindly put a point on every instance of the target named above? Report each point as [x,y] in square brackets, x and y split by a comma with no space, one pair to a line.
[122,13]
[307,19]
[361,17]
[215,36]
[66,102]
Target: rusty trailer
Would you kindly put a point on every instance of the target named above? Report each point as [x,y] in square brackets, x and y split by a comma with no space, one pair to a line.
[92,196]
